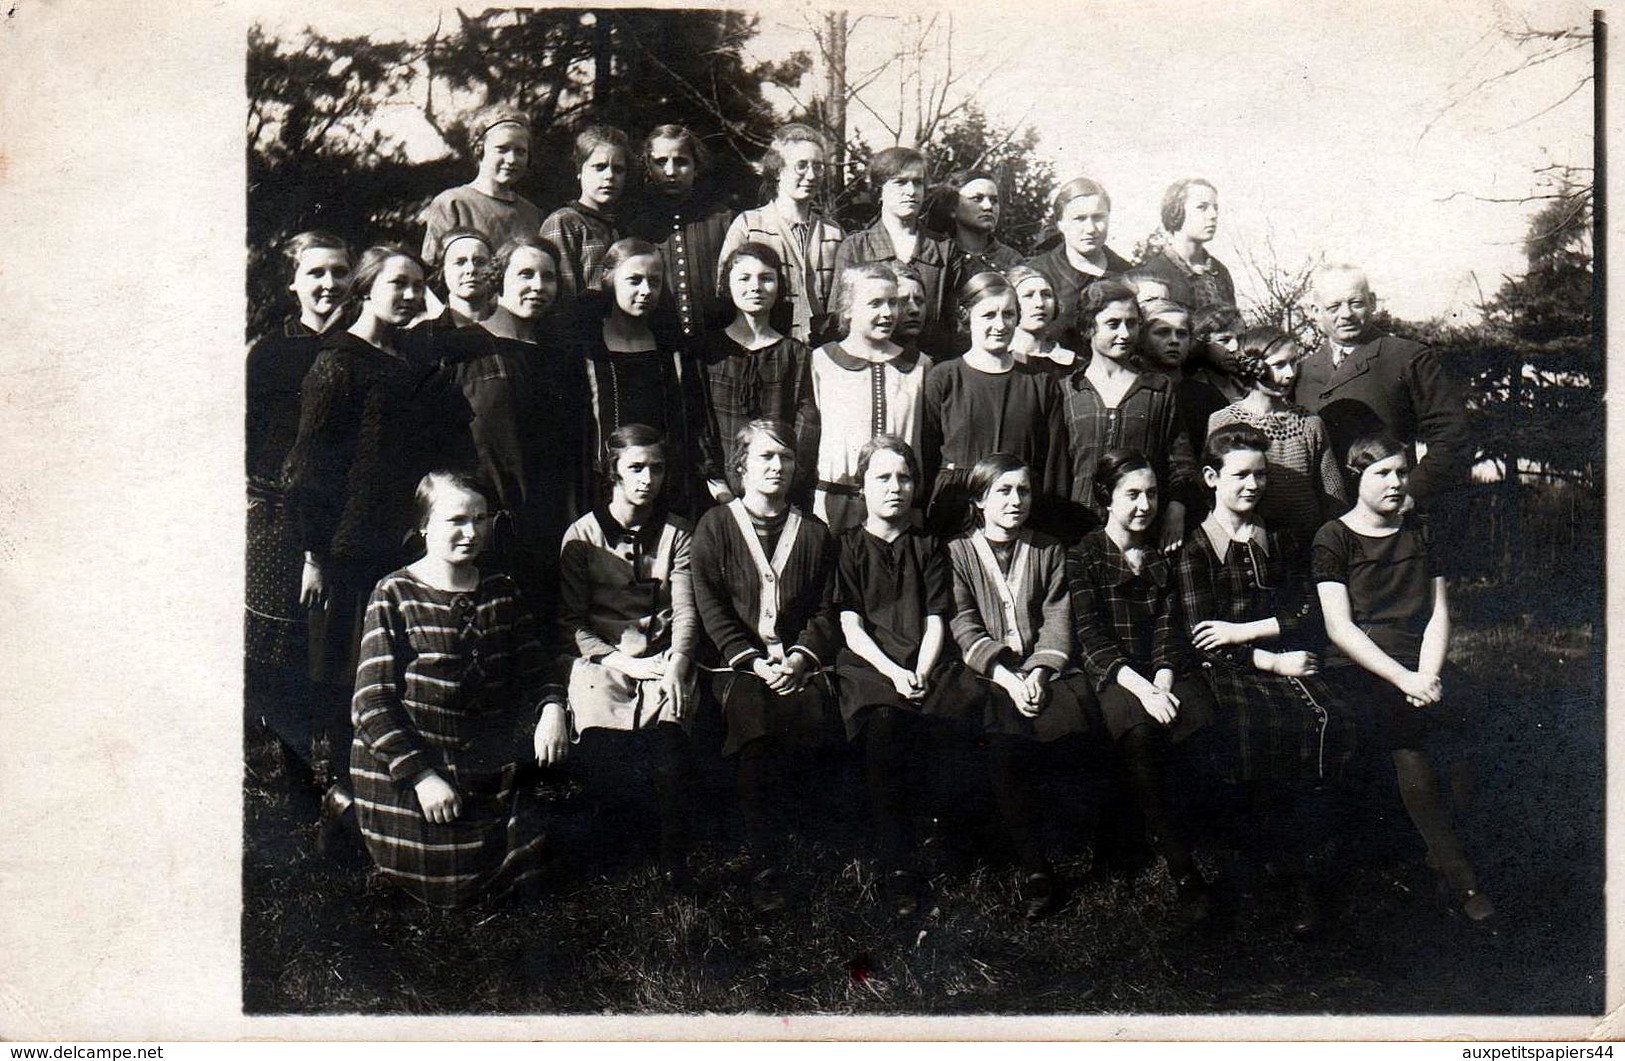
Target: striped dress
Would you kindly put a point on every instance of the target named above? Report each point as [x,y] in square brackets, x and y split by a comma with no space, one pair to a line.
[450,682]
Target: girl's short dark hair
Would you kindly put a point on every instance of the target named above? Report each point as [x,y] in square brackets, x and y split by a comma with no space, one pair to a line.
[1231,438]
[504,255]
[983,285]
[443,478]
[620,251]
[594,137]
[1173,201]
[889,444]
[942,198]
[1255,347]
[752,249]
[1113,467]
[986,472]
[1369,449]
[1213,318]
[623,438]
[460,233]
[683,135]
[314,239]
[778,431]
[372,262]
[894,162]
[1097,297]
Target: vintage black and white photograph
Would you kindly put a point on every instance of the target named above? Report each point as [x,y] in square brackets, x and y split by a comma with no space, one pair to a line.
[1023,510]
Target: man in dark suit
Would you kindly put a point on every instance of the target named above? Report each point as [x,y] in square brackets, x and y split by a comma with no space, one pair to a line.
[1361,382]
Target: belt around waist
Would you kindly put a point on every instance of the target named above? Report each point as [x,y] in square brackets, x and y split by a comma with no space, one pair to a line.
[840,489]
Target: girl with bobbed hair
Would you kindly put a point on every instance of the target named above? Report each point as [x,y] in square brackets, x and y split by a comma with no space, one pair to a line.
[1190,218]
[636,376]
[806,242]
[1035,343]
[864,384]
[762,574]
[1387,611]
[964,207]
[987,402]
[1112,403]
[894,597]
[752,370]
[1072,251]
[1306,485]
[1125,607]
[583,230]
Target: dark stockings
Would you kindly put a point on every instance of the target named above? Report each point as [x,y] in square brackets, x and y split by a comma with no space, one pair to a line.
[886,736]
[1143,749]
[1429,809]
[1011,773]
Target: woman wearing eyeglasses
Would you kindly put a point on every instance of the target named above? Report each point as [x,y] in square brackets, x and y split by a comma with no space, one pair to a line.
[792,171]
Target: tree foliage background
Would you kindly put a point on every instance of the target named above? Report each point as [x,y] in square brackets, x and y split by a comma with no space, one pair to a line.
[317,156]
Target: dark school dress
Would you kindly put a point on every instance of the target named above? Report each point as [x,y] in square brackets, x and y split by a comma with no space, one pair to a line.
[1128,618]
[893,586]
[453,682]
[1011,607]
[1270,726]
[1390,587]
[763,591]
[370,426]
[275,623]
[663,388]
[508,433]
[969,414]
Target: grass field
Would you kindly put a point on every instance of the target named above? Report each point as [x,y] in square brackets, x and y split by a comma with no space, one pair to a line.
[324,936]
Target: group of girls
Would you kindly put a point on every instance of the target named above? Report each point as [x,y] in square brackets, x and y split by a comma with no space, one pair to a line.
[643,492]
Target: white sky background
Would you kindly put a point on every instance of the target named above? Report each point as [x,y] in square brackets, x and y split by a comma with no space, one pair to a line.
[1308,117]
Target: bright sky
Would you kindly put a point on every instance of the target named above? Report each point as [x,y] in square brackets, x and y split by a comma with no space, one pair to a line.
[1309,118]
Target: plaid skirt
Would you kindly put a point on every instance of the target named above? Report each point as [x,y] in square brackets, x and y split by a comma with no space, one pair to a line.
[495,844]
[1271,727]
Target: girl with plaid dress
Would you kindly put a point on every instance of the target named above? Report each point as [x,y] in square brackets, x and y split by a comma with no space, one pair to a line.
[1282,729]
[450,696]
[753,371]
[1126,611]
